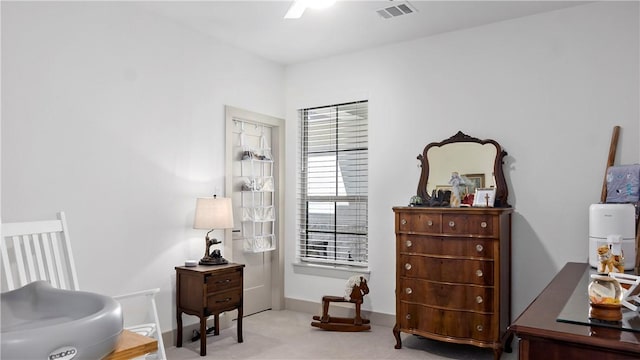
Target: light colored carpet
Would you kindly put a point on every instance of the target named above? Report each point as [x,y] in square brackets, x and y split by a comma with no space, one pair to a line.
[289,335]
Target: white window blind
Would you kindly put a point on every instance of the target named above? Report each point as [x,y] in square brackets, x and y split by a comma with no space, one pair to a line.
[333,184]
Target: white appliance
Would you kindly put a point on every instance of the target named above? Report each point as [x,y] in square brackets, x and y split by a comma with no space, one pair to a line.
[612,223]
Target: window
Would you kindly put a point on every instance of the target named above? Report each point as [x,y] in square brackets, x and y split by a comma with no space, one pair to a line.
[333,185]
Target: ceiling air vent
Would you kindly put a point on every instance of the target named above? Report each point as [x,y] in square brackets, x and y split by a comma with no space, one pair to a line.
[397,9]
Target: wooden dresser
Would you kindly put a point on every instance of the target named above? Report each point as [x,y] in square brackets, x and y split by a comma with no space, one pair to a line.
[208,290]
[453,275]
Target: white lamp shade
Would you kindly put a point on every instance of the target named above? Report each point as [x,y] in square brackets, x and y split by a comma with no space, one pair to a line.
[213,213]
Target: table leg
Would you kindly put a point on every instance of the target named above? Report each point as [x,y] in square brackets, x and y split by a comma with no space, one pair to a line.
[179,324]
[216,324]
[240,323]
[203,336]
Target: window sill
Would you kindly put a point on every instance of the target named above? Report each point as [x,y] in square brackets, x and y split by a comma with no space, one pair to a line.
[334,271]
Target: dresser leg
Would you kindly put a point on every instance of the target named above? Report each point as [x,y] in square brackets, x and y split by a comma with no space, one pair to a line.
[203,336]
[497,352]
[240,324]
[396,334]
[179,324]
[216,324]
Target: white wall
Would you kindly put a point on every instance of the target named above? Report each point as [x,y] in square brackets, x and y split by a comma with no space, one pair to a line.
[116,116]
[549,88]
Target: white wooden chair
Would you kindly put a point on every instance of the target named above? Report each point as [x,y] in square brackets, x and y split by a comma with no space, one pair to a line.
[41,250]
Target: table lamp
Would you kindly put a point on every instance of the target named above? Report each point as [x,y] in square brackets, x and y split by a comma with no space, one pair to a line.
[213,213]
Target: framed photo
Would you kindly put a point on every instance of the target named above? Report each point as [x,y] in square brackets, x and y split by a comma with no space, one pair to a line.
[476,179]
[484,197]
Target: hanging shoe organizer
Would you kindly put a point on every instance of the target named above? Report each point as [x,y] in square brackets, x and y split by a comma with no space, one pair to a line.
[257,193]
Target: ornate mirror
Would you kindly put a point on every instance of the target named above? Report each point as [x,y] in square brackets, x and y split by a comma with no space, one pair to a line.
[478,161]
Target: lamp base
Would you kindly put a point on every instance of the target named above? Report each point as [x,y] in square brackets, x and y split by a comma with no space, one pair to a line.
[208,260]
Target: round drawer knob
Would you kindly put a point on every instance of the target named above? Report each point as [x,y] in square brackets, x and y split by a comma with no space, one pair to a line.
[479,273]
[407,266]
[479,327]
[483,224]
[403,222]
[409,243]
[408,317]
[479,248]
[430,223]
[479,299]
[452,223]
[408,291]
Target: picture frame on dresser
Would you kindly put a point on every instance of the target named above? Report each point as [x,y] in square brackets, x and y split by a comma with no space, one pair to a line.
[484,197]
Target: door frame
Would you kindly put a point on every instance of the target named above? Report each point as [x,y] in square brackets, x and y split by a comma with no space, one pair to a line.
[277,149]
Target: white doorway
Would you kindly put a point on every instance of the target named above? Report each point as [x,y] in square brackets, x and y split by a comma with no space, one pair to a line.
[254,171]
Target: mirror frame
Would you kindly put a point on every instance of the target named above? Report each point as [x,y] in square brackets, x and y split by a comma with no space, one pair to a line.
[502,192]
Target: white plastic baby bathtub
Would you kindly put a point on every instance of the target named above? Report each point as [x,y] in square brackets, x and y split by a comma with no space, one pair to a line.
[43,322]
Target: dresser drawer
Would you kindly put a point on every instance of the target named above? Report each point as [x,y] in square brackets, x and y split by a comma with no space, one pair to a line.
[445,295]
[224,300]
[456,324]
[224,281]
[478,272]
[420,222]
[469,224]
[470,247]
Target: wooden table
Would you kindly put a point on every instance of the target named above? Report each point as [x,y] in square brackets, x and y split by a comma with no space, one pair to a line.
[131,345]
[543,337]
[203,291]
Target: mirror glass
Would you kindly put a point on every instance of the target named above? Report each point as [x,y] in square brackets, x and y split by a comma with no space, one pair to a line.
[473,161]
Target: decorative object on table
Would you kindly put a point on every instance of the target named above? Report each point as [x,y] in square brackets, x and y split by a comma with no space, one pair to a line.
[191,263]
[468,200]
[605,298]
[484,197]
[458,185]
[623,184]
[440,198]
[615,225]
[355,291]
[610,262]
[213,213]
[415,201]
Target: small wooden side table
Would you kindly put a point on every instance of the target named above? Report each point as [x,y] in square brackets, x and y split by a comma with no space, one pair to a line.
[203,291]
[131,345]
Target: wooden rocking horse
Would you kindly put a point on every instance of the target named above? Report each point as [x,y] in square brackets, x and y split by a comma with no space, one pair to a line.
[356,289]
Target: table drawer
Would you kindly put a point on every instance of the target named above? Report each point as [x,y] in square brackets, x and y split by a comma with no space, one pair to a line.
[478,272]
[456,324]
[224,281]
[445,295]
[469,224]
[224,300]
[420,222]
[468,247]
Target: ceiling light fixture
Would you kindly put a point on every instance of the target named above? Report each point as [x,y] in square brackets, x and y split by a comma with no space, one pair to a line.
[299,6]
